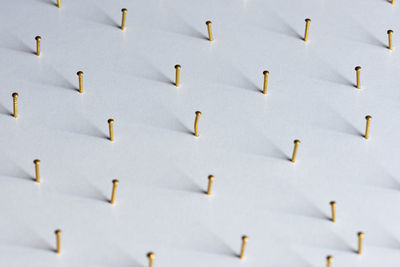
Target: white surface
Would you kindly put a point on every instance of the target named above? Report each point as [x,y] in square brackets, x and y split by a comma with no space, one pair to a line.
[245,137]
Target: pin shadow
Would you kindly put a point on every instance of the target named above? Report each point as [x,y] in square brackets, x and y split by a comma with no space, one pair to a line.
[5,111]
[12,42]
[101,17]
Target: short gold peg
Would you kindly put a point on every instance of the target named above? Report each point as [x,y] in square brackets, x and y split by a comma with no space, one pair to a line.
[390,33]
[151,256]
[80,78]
[368,118]
[58,241]
[37,162]
[244,242]
[329,260]
[38,39]
[307,28]
[210,181]
[59,3]
[111,129]
[15,108]
[177,70]
[114,190]
[358,71]
[296,146]
[210,36]
[196,123]
[266,73]
[360,240]
[333,208]
[392,2]
[124,10]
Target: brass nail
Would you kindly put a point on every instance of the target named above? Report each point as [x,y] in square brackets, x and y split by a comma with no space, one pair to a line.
[111,129]
[15,108]
[329,260]
[296,146]
[196,123]
[151,256]
[266,73]
[37,162]
[59,3]
[244,241]
[177,68]
[307,28]
[38,38]
[210,37]
[360,239]
[358,70]
[124,10]
[368,118]
[58,241]
[390,33]
[333,207]
[114,190]
[80,77]
[210,180]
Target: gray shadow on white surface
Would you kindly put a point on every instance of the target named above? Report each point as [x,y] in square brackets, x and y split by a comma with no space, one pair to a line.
[10,169]
[12,42]
[30,240]
[383,239]
[4,110]
[60,81]
[182,182]
[384,180]
[284,28]
[102,17]
[327,73]
[49,2]
[363,35]
[87,128]
[182,27]
[235,78]
[148,71]
[88,191]
[333,242]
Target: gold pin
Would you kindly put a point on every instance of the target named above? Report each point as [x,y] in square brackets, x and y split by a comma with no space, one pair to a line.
[266,73]
[329,260]
[58,240]
[210,180]
[59,3]
[178,69]
[110,129]
[307,28]
[37,162]
[244,241]
[38,38]
[392,2]
[114,190]
[210,37]
[151,256]
[368,118]
[15,96]
[390,33]
[80,77]
[333,207]
[196,123]
[124,10]
[358,70]
[296,146]
[360,239]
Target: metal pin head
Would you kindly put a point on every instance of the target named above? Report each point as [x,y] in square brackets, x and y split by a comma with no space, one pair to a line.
[368,117]
[265,72]
[211,177]
[358,68]
[390,32]
[36,162]
[57,232]
[198,113]
[360,234]
[308,20]
[115,181]
[110,121]
[178,67]
[38,38]
[151,255]
[124,10]
[15,95]
[79,73]
[333,203]
[208,22]
[297,141]
[245,239]
[329,258]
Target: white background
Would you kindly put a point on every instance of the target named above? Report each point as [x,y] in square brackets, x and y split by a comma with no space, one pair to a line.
[245,138]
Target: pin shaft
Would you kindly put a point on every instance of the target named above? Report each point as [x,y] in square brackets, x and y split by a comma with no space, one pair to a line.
[124,10]
[210,36]
[210,181]
[266,73]
[296,146]
[333,208]
[111,129]
[177,71]
[37,162]
[368,119]
[243,247]
[114,191]
[58,241]
[196,123]
[15,107]
[307,29]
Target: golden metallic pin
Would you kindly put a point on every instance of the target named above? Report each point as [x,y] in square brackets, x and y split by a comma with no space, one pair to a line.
[59,3]
[392,2]
[368,118]
[38,38]
[307,28]
[210,181]
[329,260]
[210,36]
[151,256]
[266,73]
[360,239]
[114,190]
[333,208]
[244,242]
[296,146]
[15,109]
[111,129]
[80,77]
[37,162]
[58,241]
[358,70]
[196,123]
[124,10]
[178,69]
[390,33]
